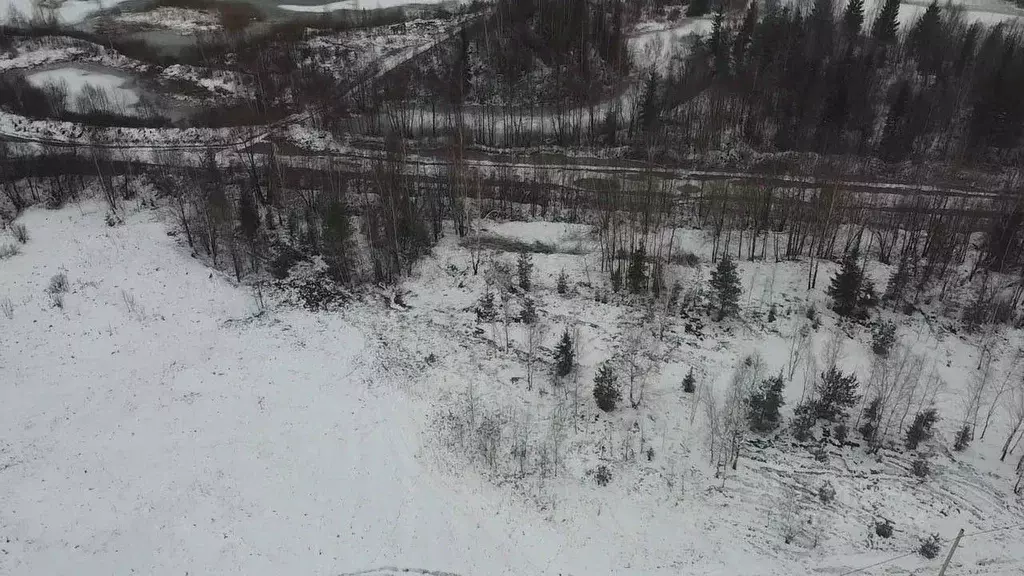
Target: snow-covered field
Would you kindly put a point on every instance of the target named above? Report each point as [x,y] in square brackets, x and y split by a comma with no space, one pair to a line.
[361,5]
[78,80]
[158,422]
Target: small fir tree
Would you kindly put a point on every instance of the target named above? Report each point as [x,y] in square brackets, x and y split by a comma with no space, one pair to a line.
[485,310]
[853,18]
[887,22]
[920,429]
[963,438]
[637,274]
[564,355]
[726,284]
[837,393]
[606,389]
[524,270]
[563,283]
[690,382]
[765,402]
[529,312]
[845,288]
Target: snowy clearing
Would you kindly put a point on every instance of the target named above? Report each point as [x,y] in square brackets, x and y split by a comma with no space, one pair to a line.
[78,81]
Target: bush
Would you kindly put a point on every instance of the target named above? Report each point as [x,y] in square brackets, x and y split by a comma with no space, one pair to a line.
[563,283]
[883,336]
[7,308]
[772,314]
[803,421]
[872,413]
[963,438]
[602,475]
[58,283]
[826,493]
[884,528]
[8,250]
[921,468]
[841,432]
[930,547]
[485,311]
[921,428]
[606,389]
[636,275]
[529,313]
[690,382]
[686,258]
[20,233]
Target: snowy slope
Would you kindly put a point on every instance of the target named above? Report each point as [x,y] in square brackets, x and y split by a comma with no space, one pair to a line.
[182,434]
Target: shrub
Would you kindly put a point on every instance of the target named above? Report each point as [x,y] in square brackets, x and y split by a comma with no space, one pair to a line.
[636,276]
[841,432]
[564,355]
[772,314]
[883,336]
[963,438]
[872,413]
[921,468]
[57,299]
[7,308]
[930,546]
[826,493]
[921,428]
[616,279]
[884,528]
[690,382]
[764,404]
[602,475]
[606,389]
[8,250]
[20,233]
[837,393]
[524,269]
[58,283]
[686,258]
[563,283]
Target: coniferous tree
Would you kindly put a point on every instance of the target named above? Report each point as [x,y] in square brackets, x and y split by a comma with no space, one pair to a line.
[718,43]
[485,310]
[649,103]
[924,39]
[921,429]
[336,236]
[765,401]
[853,18]
[698,8]
[565,359]
[845,288]
[726,285]
[872,415]
[524,270]
[637,274]
[837,393]
[744,36]
[249,223]
[529,313]
[887,22]
[606,389]
[690,382]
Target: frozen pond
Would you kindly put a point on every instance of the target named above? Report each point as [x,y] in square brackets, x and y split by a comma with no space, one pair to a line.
[90,87]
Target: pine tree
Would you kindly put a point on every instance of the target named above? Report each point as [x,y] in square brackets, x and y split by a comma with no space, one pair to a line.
[925,36]
[726,284]
[698,8]
[845,287]
[872,414]
[524,269]
[764,403]
[649,104]
[921,429]
[690,382]
[718,43]
[837,393]
[336,237]
[853,18]
[529,313]
[485,311]
[562,286]
[637,274]
[249,222]
[897,284]
[744,35]
[606,389]
[564,355]
[887,22]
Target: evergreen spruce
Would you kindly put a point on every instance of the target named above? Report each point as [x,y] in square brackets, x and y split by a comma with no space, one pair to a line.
[853,18]
[606,389]
[845,287]
[529,312]
[963,438]
[690,382]
[524,270]
[637,274]
[698,8]
[563,283]
[485,311]
[887,23]
[764,403]
[837,393]
[726,284]
[649,104]
[872,414]
[921,429]
[336,235]
[564,355]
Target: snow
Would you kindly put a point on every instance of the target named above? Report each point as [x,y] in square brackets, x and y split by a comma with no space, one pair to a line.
[78,78]
[70,12]
[357,5]
[181,20]
[160,423]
